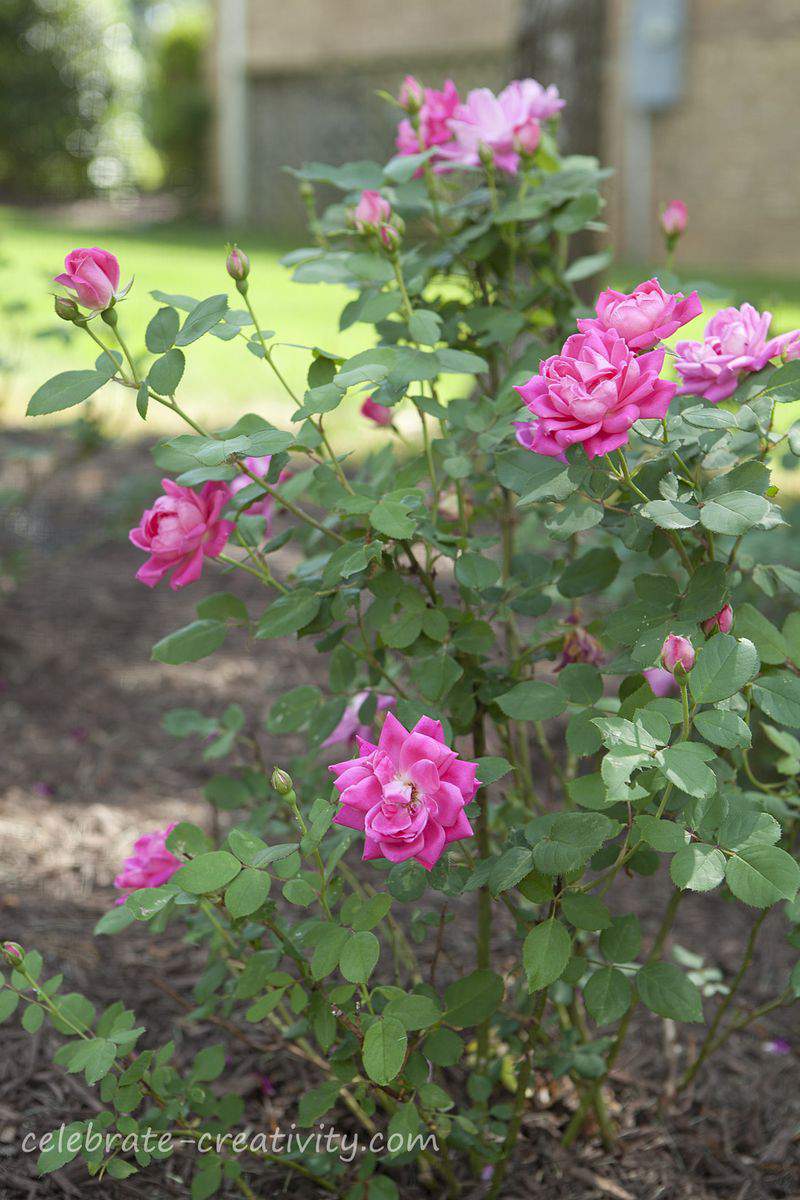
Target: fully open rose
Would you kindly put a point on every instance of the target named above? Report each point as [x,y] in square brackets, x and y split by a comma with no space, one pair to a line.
[182,528]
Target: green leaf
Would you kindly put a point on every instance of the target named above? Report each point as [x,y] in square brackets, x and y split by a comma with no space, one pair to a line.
[32,1018]
[294,709]
[425,326]
[384,1049]
[142,404]
[608,995]
[414,1011]
[194,641]
[208,872]
[665,990]
[697,868]
[391,519]
[723,666]
[475,571]
[8,1004]
[622,940]
[492,769]
[733,513]
[545,953]
[768,641]
[203,317]
[532,701]
[162,330]
[66,390]
[473,999]
[581,683]
[683,764]
[288,614]
[585,912]
[359,957]
[146,902]
[723,728]
[660,834]
[314,1104]
[166,372]
[760,875]
[778,696]
[592,572]
[247,893]
[568,840]
[209,1063]
[670,514]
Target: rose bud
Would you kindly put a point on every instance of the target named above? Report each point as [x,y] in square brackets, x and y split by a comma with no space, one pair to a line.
[372,210]
[93,275]
[378,413]
[237,264]
[722,621]
[282,782]
[677,652]
[412,94]
[67,309]
[674,219]
[13,950]
[390,238]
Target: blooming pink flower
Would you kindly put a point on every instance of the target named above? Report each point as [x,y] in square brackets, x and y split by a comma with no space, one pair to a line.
[350,726]
[371,211]
[180,529]
[722,621]
[150,865]
[436,109]
[674,218]
[592,392]
[378,413]
[677,651]
[735,344]
[644,316]
[408,793]
[662,683]
[93,275]
[505,124]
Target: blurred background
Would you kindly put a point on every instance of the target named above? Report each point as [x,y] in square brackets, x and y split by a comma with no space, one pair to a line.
[161,128]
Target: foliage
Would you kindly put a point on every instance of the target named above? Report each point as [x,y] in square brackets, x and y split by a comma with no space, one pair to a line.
[414,576]
[177,108]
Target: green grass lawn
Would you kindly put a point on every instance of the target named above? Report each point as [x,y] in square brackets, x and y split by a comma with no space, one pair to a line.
[222,379]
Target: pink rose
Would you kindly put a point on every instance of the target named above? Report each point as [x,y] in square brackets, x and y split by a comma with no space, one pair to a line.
[435,110]
[645,316]
[674,218]
[722,621]
[378,413]
[93,275]
[662,683]
[505,124]
[350,727]
[408,793]
[150,865]
[592,392]
[735,344]
[677,651]
[180,529]
[412,94]
[371,211]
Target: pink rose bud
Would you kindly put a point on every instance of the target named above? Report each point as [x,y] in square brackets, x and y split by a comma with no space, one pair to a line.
[407,794]
[528,136]
[676,652]
[67,309]
[372,210]
[237,264]
[13,949]
[93,275]
[674,218]
[412,94]
[390,238]
[722,621]
[378,413]
[180,530]
[150,865]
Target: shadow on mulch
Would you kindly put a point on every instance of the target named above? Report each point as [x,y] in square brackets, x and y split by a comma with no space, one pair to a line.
[86,766]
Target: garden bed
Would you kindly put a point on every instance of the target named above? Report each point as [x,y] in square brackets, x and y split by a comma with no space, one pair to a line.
[86,767]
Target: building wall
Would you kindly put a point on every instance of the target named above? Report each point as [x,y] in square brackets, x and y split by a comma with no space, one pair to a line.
[730,148]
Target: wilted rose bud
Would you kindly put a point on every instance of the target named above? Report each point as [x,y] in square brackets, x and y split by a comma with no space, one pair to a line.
[237,264]
[579,647]
[282,782]
[676,652]
[674,219]
[67,309]
[722,621]
[412,95]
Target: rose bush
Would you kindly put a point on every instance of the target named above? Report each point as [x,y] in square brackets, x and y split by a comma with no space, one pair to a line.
[541,624]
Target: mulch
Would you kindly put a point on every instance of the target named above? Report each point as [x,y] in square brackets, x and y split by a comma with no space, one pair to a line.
[87,766]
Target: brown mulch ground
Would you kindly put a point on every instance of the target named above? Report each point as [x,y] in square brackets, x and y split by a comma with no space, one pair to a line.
[86,766]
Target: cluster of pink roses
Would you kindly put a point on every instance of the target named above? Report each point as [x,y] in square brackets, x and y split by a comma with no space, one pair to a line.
[736,343]
[606,377]
[185,526]
[507,125]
